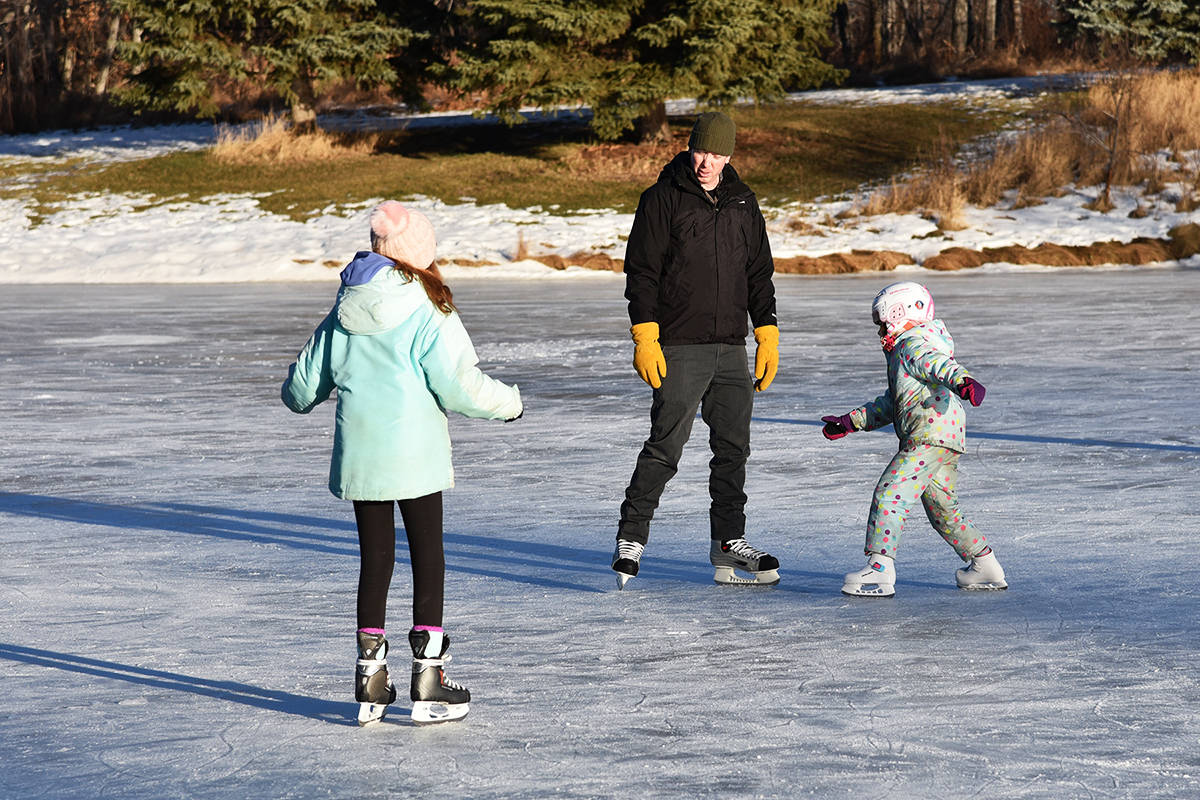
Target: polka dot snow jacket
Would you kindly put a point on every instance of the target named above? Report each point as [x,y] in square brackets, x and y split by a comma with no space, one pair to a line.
[920,401]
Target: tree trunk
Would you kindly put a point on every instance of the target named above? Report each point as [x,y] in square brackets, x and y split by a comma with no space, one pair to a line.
[878,22]
[895,34]
[6,84]
[70,52]
[303,106]
[961,22]
[110,47]
[53,36]
[1018,26]
[652,128]
[989,26]
[304,117]
[841,25]
[24,100]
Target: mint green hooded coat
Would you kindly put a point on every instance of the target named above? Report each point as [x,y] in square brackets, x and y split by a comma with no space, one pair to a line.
[398,364]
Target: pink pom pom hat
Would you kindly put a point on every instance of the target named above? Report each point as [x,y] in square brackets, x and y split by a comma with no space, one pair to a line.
[403,235]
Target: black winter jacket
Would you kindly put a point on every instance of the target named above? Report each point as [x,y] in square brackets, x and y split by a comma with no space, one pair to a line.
[695,267]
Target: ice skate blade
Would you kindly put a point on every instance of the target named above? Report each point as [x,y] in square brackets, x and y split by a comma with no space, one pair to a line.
[623,579]
[370,713]
[884,590]
[428,712]
[992,586]
[725,576]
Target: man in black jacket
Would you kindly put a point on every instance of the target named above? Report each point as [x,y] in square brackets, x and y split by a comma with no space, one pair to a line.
[697,262]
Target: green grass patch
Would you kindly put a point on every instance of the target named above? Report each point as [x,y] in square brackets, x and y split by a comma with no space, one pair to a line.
[789,152]
[832,151]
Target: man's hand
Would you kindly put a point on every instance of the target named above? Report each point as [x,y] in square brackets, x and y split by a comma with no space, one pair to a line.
[766,357]
[648,357]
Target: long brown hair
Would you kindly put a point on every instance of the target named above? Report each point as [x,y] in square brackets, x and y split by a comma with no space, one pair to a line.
[431,280]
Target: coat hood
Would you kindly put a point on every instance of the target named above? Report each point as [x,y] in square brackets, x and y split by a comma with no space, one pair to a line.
[933,332]
[375,297]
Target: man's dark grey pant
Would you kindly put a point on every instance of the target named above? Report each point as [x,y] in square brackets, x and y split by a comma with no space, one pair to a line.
[716,379]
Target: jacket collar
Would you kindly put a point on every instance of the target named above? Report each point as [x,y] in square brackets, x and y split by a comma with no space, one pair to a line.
[680,173]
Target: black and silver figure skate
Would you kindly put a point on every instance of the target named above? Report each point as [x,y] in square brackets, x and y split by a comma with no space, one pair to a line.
[373,688]
[737,554]
[435,697]
[626,558]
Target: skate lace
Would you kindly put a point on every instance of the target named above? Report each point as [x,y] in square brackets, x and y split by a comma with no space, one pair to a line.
[744,549]
[439,664]
[449,684]
[630,550]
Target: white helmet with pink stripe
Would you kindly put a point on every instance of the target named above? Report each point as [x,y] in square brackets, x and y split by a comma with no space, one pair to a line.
[900,303]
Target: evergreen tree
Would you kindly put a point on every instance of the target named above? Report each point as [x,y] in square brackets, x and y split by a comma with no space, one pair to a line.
[291,47]
[1158,30]
[623,58]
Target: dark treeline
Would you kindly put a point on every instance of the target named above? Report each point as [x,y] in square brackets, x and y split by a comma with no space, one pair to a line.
[57,61]
[67,63]
[900,39]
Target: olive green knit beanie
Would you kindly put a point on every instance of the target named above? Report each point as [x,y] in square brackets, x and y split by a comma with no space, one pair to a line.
[713,133]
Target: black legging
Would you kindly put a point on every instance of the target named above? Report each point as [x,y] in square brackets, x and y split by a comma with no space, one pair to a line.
[377,553]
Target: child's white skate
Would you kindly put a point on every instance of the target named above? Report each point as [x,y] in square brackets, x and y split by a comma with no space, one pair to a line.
[739,554]
[984,573]
[435,697]
[877,579]
[626,559]
[373,688]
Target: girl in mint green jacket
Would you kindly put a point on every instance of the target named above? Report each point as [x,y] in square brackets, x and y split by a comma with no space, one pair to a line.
[397,352]
[922,403]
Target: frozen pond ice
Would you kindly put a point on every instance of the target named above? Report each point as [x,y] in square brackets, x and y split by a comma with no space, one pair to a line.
[178,583]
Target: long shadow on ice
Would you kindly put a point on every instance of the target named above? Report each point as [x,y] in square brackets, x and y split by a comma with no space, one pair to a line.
[222,523]
[231,691]
[1018,437]
[526,562]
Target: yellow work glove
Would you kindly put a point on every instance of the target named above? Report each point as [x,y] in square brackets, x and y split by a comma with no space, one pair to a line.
[648,357]
[766,358]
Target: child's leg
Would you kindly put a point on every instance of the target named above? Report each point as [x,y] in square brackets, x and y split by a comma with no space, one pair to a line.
[896,495]
[941,506]
[377,556]
[423,525]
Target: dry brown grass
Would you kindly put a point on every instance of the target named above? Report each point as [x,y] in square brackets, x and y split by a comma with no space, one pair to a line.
[642,162]
[936,192]
[1129,130]
[272,140]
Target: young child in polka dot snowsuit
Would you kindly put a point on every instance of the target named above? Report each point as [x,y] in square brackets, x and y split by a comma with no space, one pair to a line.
[922,403]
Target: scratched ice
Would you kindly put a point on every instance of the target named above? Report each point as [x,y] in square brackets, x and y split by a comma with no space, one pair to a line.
[177,593]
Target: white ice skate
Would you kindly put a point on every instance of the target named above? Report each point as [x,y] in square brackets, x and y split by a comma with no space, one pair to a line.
[876,579]
[984,573]
[738,554]
[625,560]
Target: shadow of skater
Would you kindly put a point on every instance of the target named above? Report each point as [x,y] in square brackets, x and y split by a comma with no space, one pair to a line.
[524,562]
[231,691]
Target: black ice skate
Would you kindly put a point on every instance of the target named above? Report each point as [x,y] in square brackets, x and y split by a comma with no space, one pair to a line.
[625,560]
[373,688]
[435,697]
[738,554]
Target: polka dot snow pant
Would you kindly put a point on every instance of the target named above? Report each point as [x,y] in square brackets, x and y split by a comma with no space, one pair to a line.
[928,473]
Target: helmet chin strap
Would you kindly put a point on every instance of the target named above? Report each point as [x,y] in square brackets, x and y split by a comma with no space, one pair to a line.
[889,341]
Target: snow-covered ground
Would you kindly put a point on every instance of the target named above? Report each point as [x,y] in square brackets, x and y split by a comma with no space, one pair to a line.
[135,239]
[178,586]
